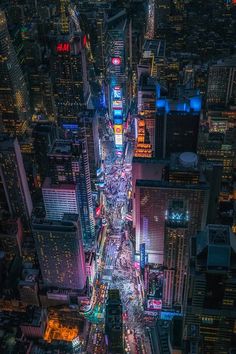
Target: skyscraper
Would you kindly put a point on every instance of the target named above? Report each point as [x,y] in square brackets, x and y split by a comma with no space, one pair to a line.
[152,199]
[14,105]
[221,90]
[69,67]
[177,123]
[175,250]
[14,180]
[44,134]
[69,165]
[59,199]
[210,324]
[60,252]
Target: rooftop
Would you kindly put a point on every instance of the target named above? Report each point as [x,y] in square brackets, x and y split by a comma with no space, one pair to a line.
[59,187]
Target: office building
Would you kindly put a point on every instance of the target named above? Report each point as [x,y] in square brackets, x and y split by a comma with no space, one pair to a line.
[114,322]
[14,104]
[28,285]
[88,129]
[69,164]
[175,250]
[217,147]
[11,237]
[152,198]
[221,89]
[146,94]
[69,66]
[210,311]
[44,134]
[60,252]
[59,199]
[14,180]
[177,125]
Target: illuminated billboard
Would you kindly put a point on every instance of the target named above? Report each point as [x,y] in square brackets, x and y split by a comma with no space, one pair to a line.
[117,112]
[153,304]
[142,255]
[63,47]
[116,60]
[117,93]
[84,40]
[119,139]
[118,120]
[118,129]
[117,104]
[155,282]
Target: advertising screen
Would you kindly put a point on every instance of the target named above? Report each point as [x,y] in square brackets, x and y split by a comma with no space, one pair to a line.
[155,282]
[118,121]
[142,255]
[117,112]
[63,47]
[117,94]
[116,60]
[118,129]
[153,304]
[117,104]
[119,139]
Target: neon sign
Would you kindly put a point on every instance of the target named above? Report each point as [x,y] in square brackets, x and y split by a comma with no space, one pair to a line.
[116,61]
[84,41]
[118,129]
[117,104]
[118,121]
[117,94]
[118,139]
[117,112]
[63,47]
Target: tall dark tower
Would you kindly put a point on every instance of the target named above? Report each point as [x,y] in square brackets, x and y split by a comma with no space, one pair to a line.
[14,104]
[69,67]
[69,165]
[13,178]
[177,125]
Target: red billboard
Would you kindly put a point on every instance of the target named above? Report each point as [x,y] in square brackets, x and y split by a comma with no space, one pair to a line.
[63,47]
[116,60]
[153,304]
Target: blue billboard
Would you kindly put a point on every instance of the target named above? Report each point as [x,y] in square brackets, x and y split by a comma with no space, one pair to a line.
[142,255]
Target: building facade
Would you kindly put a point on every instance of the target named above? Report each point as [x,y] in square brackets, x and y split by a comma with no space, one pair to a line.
[60,252]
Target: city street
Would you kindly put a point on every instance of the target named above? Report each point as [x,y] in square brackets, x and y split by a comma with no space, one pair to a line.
[117,267]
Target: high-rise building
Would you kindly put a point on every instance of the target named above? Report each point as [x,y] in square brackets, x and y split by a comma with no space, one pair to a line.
[69,66]
[60,252]
[59,199]
[114,322]
[152,199]
[146,95]
[69,165]
[177,125]
[14,180]
[210,324]
[14,104]
[44,134]
[175,250]
[11,236]
[88,129]
[221,90]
